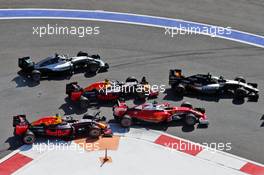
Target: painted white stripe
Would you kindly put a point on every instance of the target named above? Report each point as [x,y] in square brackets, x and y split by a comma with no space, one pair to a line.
[127,22]
[222,159]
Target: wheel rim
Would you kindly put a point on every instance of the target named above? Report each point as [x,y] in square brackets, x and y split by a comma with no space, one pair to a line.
[94,133]
[190,121]
[28,139]
[84,104]
[36,77]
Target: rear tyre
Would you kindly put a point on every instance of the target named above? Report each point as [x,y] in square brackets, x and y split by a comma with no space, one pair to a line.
[36,76]
[186,104]
[190,120]
[126,121]
[94,133]
[240,79]
[179,90]
[84,102]
[29,138]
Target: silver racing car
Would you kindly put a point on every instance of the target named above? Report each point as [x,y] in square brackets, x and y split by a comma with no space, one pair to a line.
[62,65]
[209,84]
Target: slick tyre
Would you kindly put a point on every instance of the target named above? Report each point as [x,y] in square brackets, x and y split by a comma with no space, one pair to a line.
[36,76]
[84,102]
[202,110]
[93,68]
[240,93]
[240,79]
[186,104]
[94,133]
[126,121]
[88,116]
[81,53]
[131,80]
[179,90]
[29,138]
[190,120]
[96,57]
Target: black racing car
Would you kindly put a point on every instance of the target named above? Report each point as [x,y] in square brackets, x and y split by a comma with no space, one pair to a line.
[62,65]
[208,84]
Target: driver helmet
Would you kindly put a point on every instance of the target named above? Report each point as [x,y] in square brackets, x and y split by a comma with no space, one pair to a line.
[143,80]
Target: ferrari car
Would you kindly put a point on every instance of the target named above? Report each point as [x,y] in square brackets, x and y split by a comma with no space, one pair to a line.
[62,65]
[109,91]
[209,84]
[56,126]
[157,113]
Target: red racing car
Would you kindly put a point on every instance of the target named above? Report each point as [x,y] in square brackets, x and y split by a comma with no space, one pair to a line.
[64,128]
[157,113]
[110,91]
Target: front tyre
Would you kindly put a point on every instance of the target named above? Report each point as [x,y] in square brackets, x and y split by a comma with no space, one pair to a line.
[186,104]
[126,121]
[81,53]
[190,120]
[240,93]
[93,68]
[240,79]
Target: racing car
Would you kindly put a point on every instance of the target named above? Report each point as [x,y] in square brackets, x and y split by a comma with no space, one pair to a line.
[109,91]
[208,84]
[61,65]
[157,113]
[64,128]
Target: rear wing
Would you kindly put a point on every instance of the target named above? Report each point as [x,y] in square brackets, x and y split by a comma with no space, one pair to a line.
[25,63]
[20,120]
[175,75]
[72,87]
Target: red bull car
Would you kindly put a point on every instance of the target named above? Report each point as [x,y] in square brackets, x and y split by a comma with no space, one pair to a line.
[157,113]
[109,90]
[56,126]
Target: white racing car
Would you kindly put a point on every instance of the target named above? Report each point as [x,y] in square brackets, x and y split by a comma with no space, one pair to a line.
[62,65]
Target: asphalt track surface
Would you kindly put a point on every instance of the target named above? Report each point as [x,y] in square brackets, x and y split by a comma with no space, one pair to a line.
[138,50]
